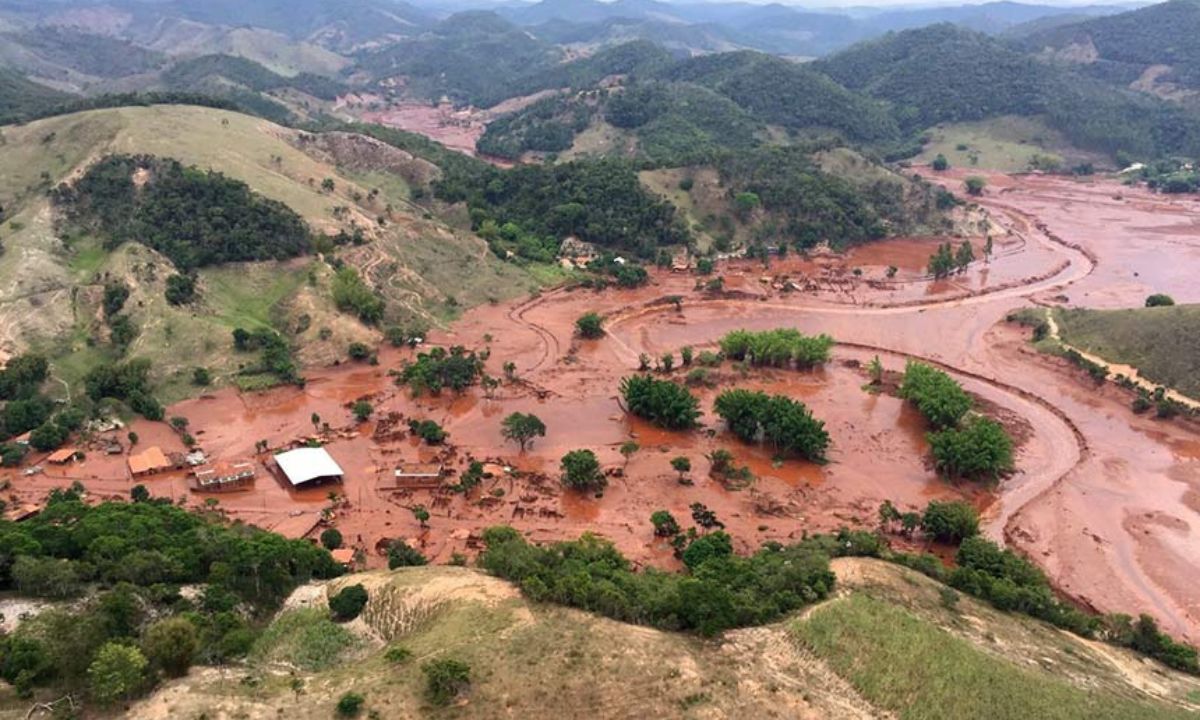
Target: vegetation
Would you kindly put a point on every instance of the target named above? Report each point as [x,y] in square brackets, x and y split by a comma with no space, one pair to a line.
[1159,300]
[456,369]
[522,428]
[401,555]
[777,348]
[590,326]
[935,395]
[662,402]
[445,679]
[348,603]
[581,471]
[786,425]
[979,449]
[950,521]
[173,212]
[428,430]
[352,294]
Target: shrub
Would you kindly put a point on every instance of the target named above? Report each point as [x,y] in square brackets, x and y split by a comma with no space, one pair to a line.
[358,351]
[786,424]
[331,539]
[1159,300]
[362,410]
[935,394]
[445,679]
[170,645]
[980,449]
[350,704]
[116,673]
[348,603]
[401,555]
[665,524]
[581,471]
[397,654]
[662,402]
[950,522]
[428,430]
[590,326]
[181,289]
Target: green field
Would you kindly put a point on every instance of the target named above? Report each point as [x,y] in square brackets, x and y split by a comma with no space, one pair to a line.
[918,670]
[1163,343]
[1007,144]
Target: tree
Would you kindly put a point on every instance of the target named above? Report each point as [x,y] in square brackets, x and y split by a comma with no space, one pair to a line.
[350,703]
[940,163]
[681,465]
[181,289]
[401,555]
[704,517]
[981,448]
[786,424]
[116,673]
[685,355]
[662,402]
[950,522]
[935,394]
[974,185]
[358,351]
[941,262]
[875,370]
[522,428]
[706,547]
[704,266]
[581,471]
[362,410]
[668,362]
[139,493]
[47,437]
[745,203]
[590,326]
[888,514]
[1159,300]
[421,515]
[170,645]
[965,255]
[315,419]
[428,430]
[331,539]
[664,523]
[987,248]
[445,679]
[327,185]
[133,438]
[348,603]
[201,377]
[628,448]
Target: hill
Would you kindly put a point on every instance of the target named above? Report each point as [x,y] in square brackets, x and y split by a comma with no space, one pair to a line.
[946,74]
[528,658]
[51,288]
[1163,343]
[20,96]
[1152,48]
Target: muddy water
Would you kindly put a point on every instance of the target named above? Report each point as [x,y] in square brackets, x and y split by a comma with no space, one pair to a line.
[1105,501]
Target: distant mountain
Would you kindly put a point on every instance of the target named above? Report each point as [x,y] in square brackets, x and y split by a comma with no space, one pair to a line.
[1163,40]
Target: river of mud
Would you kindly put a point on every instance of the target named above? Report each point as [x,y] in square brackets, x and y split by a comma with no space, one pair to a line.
[1108,503]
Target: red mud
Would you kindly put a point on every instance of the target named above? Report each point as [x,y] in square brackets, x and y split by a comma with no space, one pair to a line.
[1105,501]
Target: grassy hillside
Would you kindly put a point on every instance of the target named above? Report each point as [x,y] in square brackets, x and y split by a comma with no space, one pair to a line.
[1009,143]
[537,660]
[1163,343]
[50,290]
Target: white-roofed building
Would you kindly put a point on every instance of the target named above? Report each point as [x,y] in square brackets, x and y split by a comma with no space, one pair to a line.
[307,465]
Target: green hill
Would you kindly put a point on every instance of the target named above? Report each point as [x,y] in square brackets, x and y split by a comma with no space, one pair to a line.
[20,97]
[1163,343]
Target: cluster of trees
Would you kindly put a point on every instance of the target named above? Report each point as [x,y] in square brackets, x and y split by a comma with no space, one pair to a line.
[624,272]
[946,260]
[351,294]
[548,125]
[198,71]
[599,201]
[510,239]
[428,430]
[969,447]
[457,369]
[194,217]
[276,354]
[662,402]
[783,347]
[719,591]
[128,382]
[134,626]
[785,424]
[25,408]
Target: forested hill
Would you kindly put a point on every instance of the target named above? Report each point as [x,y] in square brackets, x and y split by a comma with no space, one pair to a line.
[20,97]
[1121,47]
[945,74]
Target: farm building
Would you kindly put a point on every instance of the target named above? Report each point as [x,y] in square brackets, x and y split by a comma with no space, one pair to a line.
[222,477]
[415,476]
[62,456]
[304,466]
[149,462]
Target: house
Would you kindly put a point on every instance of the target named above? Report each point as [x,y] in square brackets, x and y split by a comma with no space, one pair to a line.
[62,456]
[343,556]
[306,466]
[416,476]
[150,461]
[222,477]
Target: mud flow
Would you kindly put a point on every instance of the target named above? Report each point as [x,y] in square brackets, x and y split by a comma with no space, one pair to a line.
[1106,502]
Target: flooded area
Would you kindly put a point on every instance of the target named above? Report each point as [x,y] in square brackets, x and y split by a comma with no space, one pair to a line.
[1107,502]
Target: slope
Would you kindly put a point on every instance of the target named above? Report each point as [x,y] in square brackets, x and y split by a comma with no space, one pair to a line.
[542,661]
[20,96]
[50,288]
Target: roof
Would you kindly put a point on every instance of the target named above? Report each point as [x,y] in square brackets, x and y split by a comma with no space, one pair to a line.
[150,460]
[419,470]
[345,556]
[304,464]
[61,456]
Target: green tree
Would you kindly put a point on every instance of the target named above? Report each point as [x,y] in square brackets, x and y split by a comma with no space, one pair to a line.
[201,377]
[628,449]
[950,521]
[348,603]
[139,493]
[1159,300]
[704,266]
[362,410]
[445,679]
[662,402]
[401,555]
[685,355]
[706,547]
[349,704]
[665,524]
[331,539]
[116,673]
[935,394]
[421,515]
[981,448]
[965,255]
[522,428]
[940,163]
[745,203]
[785,424]
[974,185]
[581,471]
[170,645]
[181,289]
[590,326]
[681,465]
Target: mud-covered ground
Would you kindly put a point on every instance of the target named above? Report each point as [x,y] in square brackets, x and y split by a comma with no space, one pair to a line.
[1106,501]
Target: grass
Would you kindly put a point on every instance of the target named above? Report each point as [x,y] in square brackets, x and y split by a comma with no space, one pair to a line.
[1163,343]
[247,295]
[305,638]
[1005,143]
[910,666]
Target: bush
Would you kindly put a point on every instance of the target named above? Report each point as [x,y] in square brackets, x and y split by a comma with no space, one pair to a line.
[170,645]
[950,522]
[358,351]
[362,410]
[935,394]
[980,449]
[445,679]
[397,654]
[665,524]
[350,704]
[777,348]
[590,326]
[581,471]
[1159,300]
[201,377]
[662,402]
[785,424]
[116,673]
[348,603]
[331,539]
[181,289]
[428,430]
[401,555]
